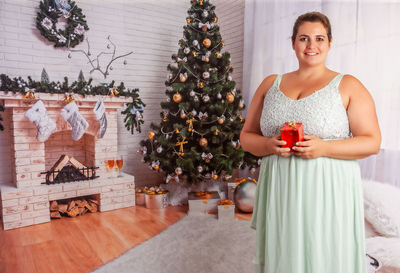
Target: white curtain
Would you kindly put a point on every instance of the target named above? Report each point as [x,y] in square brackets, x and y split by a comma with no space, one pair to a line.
[366,42]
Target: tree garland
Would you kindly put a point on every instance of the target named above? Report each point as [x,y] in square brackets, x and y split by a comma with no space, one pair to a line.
[47,22]
[133,111]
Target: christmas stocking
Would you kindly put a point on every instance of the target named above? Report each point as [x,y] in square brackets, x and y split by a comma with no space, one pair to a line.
[100,112]
[71,114]
[45,125]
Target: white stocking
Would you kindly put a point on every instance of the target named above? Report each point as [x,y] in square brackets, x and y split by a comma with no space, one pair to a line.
[44,124]
[71,114]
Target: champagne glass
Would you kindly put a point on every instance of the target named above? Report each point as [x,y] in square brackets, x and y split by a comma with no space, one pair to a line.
[110,165]
[119,164]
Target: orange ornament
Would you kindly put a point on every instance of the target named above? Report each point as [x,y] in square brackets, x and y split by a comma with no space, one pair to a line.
[230,97]
[207,42]
[203,142]
[177,97]
[151,134]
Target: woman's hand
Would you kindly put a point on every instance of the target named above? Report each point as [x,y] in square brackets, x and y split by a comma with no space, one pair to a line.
[311,147]
[275,143]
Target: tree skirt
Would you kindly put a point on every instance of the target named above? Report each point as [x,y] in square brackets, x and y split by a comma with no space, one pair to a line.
[200,244]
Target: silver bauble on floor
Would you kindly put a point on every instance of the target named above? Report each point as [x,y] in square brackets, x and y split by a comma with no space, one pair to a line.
[244,196]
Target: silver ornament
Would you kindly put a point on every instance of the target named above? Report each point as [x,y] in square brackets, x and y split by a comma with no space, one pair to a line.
[192,93]
[244,196]
[168,99]
[195,43]
[206,75]
[194,112]
[108,46]
[159,150]
[200,169]
[69,56]
[204,14]
[89,54]
[219,96]
[196,98]
[183,114]
[206,98]
[125,62]
[111,68]
[259,162]
[229,78]
[178,170]
[186,50]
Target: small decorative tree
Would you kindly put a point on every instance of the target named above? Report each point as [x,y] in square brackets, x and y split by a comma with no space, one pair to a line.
[198,136]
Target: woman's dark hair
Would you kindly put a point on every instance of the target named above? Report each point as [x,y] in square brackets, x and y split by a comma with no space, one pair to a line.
[313,16]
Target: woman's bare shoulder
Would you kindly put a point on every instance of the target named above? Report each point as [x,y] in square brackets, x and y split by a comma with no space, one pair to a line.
[266,84]
[351,85]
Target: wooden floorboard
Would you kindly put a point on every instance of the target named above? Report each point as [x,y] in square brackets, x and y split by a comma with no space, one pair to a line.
[83,243]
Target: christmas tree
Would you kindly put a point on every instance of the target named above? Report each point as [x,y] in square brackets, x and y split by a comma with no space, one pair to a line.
[198,136]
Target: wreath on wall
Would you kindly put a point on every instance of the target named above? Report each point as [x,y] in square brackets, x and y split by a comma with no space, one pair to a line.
[61,22]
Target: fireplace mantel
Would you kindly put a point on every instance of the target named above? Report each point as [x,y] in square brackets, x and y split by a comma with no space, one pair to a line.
[26,200]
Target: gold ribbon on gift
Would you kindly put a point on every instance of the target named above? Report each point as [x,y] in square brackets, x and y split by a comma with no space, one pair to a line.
[225,202]
[30,95]
[292,123]
[203,194]
[239,180]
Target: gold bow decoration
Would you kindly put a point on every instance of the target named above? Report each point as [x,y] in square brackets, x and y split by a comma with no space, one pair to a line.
[190,121]
[113,92]
[180,143]
[30,95]
[69,98]
[292,123]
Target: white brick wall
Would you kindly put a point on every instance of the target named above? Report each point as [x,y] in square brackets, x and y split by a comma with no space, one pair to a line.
[151,29]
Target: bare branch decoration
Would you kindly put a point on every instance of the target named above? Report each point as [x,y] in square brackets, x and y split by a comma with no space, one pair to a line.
[95,63]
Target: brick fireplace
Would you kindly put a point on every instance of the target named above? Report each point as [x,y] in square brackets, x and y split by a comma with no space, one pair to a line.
[25,200]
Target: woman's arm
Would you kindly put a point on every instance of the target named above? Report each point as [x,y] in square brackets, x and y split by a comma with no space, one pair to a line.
[251,138]
[364,126]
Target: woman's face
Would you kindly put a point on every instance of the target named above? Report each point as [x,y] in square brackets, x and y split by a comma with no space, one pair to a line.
[311,44]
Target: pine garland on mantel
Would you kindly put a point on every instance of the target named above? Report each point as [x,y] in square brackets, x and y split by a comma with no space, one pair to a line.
[133,111]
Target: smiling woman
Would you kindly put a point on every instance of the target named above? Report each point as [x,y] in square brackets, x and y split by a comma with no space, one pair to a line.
[308,213]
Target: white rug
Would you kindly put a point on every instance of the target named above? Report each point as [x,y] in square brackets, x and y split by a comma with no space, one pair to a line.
[198,244]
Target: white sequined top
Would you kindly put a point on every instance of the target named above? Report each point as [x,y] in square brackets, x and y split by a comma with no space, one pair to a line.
[322,113]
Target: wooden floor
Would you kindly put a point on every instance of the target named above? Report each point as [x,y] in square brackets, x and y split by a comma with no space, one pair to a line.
[83,243]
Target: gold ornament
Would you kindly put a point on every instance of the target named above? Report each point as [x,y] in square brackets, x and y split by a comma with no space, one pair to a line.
[113,92]
[207,42]
[203,142]
[151,134]
[164,117]
[201,2]
[241,118]
[30,95]
[177,97]
[177,130]
[215,19]
[223,43]
[206,59]
[221,120]
[230,97]
[182,77]
[218,54]
[194,53]
[180,144]
[201,85]
[215,176]
[188,20]
[216,132]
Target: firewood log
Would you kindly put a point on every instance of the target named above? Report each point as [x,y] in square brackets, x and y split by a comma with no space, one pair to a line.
[73,212]
[91,208]
[54,205]
[82,211]
[71,205]
[55,215]
[61,162]
[63,208]
[79,166]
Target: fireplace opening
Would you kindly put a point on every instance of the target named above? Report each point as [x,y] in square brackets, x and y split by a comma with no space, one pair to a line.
[73,207]
[68,169]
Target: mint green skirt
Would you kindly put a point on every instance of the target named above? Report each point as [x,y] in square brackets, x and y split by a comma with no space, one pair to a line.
[309,216]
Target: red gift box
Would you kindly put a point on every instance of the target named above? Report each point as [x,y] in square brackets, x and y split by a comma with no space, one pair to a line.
[292,132]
